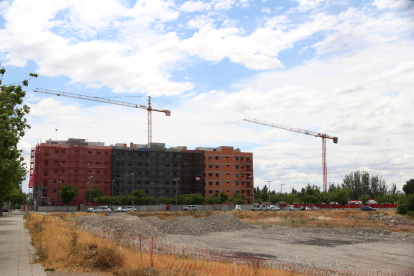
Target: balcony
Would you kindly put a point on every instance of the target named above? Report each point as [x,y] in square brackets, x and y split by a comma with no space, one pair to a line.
[246,170]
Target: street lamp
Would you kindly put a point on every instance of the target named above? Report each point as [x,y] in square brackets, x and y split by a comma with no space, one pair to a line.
[132,191]
[281,193]
[112,192]
[176,191]
[90,190]
[269,187]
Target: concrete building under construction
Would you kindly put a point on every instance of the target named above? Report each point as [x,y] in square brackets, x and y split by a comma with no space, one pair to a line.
[153,168]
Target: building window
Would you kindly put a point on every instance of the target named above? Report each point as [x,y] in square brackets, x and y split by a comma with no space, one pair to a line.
[210,157]
[237,166]
[168,183]
[217,175]
[167,191]
[174,165]
[106,153]
[237,175]
[210,192]
[241,158]
[217,158]
[237,158]
[105,172]
[228,191]
[210,183]
[248,159]
[242,175]
[174,173]
[210,174]
[217,166]
[98,153]
[89,152]
[146,164]
[217,183]
[146,191]
[210,166]
[237,183]
[228,173]
[98,172]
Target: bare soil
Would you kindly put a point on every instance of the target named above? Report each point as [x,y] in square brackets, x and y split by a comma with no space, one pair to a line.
[353,249]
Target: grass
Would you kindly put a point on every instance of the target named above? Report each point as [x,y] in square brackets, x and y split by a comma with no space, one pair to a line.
[62,246]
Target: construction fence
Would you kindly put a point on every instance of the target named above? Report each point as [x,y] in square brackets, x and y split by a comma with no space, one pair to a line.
[157,249]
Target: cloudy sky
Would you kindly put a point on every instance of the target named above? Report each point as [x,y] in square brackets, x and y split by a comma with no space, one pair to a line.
[341,67]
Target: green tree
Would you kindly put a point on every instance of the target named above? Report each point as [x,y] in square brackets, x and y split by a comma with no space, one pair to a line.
[213,200]
[364,199]
[224,197]
[164,200]
[408,188]
[276,198]
[237,199]
[13,125]
[94,192]
[341,197]
[16,196]
[67,194]
[290,198]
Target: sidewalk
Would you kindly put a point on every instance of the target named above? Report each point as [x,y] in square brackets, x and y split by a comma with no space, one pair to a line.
[15,248]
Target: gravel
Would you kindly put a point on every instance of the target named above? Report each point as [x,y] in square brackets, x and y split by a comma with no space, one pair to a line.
[154,221]
[128,224]
[202,226]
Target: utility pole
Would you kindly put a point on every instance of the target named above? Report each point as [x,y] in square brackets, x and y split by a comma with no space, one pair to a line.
[269,188]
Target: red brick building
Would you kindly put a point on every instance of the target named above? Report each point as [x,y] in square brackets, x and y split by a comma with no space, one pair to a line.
[228,170]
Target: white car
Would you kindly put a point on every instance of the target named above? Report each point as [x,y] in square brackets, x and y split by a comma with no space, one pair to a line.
[127,209]
[274,208]
[191,207]
[103,209]
[289,208]
[237,207]
[119,209]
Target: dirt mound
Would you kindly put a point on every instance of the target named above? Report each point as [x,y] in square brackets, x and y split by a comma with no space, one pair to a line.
[202,226]
[131,224]
[154,221]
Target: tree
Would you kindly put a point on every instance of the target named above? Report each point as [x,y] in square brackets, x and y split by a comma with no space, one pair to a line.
[94,192]
[341,197]
[276,198]
[290,198]
[237,199]
[13,125]
[67,194]
[309,199]
[364,199]
[213,200]
[408,188]
[16,196]
[224,197]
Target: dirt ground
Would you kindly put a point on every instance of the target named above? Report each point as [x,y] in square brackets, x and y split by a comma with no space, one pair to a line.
[352,249]
[337,249]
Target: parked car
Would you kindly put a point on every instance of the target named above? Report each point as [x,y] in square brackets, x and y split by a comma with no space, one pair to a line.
[257,208]
[367,208]
[237,207]
[128,209]
[190,208]
[314,208]
[274,208]
[289,208]
[90,210]
[5,209]
[300,208]
[308,208]
[103,209]
[119,209]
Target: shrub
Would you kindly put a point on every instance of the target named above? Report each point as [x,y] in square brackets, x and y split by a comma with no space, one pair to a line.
[402,209]
[410,213]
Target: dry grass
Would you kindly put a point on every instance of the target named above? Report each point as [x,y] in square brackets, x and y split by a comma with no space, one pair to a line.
[312,219]
[62,246]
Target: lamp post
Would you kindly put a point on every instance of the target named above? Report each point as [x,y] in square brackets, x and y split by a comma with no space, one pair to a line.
[90,190]
[176,191]
[112,191]
[281,193]
[132,191]
[269,187]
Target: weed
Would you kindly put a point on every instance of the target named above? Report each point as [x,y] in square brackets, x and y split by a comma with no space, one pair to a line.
[49,269]
[377,213]
[42,252]
[108,258]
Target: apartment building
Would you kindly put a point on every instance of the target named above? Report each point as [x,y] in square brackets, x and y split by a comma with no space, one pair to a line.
[153,168]
[228,170]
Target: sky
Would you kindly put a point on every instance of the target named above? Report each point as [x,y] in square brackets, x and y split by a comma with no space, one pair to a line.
[340,67]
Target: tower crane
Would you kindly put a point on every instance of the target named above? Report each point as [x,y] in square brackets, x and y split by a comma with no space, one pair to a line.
[103,100]
[307,132]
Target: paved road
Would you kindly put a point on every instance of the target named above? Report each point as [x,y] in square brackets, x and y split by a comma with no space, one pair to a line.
[15,248]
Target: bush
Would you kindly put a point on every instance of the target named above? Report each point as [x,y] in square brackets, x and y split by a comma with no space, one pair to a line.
[402,209]
[410,213]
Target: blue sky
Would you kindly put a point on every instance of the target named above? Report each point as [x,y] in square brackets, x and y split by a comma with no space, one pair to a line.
[345,68]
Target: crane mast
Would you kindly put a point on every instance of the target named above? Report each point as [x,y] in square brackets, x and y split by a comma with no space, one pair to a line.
[307,132]
[104,100]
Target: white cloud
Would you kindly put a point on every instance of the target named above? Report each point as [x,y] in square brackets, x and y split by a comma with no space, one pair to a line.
[223,4]
[306,5]
[192,6]
[393,4]
[266,10]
